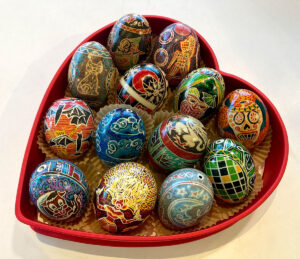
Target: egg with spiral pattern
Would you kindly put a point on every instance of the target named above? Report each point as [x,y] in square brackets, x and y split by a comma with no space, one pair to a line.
[185,197]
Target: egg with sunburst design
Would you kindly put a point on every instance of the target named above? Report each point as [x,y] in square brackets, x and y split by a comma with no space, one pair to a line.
[69,128]
[143,86]
[125,197]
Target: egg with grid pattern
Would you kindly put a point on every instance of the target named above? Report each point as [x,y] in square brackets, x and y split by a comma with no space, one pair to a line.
[144,86]
[129,41]
[59,190]
[243,117]
[230,167]
[125,197]
[69,128]
[185,197]
[120,136]
[200,93]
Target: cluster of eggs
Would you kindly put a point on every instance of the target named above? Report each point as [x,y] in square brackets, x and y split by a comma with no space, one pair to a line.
[127,192]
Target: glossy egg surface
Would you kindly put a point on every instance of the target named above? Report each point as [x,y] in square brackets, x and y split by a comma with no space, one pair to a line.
[59,189]
[125,197]
[230,167]
[185,197]
[69,127]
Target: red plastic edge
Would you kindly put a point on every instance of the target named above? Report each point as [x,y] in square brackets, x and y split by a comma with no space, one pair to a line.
[115,240]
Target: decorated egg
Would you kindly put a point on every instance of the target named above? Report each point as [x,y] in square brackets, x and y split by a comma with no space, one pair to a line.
[120,136]
[200,93]
[129,41]
[91,73]
[230,167]
[125,197]
[185,197]
[59,190]
[143,86]
[178,142]
[244,117]
[176,52]
[69,127]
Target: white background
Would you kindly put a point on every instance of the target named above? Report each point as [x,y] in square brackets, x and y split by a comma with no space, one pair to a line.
[256,40]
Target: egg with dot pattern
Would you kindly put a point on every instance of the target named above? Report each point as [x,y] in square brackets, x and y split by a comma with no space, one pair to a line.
[230,167]
[186,196]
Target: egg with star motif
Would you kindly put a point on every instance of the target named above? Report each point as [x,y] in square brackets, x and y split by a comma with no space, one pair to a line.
[185,197]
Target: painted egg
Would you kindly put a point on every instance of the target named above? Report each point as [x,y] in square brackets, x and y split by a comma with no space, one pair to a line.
[244,117]
[59,190]
[178,142]
[143,86]
[200,93]
[129,41]
[69,127]
[176,52]
[230,167]
[185,197]
[91,73]
[120,136]
[125,197]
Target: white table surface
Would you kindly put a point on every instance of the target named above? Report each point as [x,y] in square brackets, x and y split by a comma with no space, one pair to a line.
[256,40]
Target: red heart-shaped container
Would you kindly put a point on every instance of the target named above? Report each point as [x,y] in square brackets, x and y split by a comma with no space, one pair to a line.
[274,166]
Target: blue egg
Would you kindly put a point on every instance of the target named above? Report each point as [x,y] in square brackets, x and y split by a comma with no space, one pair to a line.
[120,136]
[185,197]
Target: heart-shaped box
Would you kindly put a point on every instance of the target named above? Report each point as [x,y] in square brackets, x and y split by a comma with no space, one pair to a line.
[275,164]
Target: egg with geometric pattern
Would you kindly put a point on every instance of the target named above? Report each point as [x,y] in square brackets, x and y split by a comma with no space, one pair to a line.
[230,167]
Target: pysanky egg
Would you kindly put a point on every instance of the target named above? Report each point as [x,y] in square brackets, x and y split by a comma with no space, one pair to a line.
[125,197]
[120,136]
[244,117]
[59,190]
[200,93]
[143,86]
[230,167]
[185,197]
[91,73]
[176,52]
[129,41]
[177,142]
[69,127]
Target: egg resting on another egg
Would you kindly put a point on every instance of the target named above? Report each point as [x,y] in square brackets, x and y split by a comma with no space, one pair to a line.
[230,167]
[92,73]
[59,190]
[177,142]
[143,86]
[176,52]
[125,197]
[186,196]
[129,41]
[244,117]
[200,93]
[69,127]
[120,136]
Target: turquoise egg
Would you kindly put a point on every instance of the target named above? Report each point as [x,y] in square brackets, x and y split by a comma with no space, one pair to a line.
[185,197]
